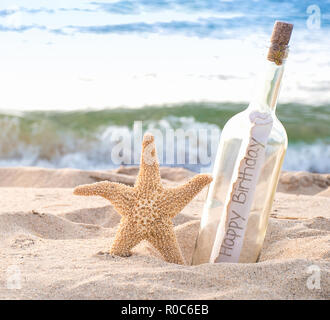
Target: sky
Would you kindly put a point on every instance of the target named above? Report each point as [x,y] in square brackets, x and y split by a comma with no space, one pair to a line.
[96,54]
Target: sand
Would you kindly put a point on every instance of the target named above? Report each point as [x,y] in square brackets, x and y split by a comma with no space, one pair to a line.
[52,243]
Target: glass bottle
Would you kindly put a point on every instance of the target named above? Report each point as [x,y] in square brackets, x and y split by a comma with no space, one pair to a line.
[246,170]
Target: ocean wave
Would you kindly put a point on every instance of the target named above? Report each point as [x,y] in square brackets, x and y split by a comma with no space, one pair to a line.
[187,135]
[308,157]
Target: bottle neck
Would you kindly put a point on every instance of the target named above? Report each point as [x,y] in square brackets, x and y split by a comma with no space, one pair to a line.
[268,88]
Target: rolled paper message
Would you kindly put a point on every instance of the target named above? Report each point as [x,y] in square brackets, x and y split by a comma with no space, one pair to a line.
[230,234]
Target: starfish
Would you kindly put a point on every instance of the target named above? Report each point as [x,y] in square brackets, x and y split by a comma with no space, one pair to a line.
[147,209]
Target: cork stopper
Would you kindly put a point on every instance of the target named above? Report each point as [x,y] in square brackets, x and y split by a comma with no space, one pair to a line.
[279,42]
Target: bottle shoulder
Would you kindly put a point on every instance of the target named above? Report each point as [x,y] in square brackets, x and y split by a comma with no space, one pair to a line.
[238,126]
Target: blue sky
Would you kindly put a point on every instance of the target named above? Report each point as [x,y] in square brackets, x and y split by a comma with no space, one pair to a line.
[77,54]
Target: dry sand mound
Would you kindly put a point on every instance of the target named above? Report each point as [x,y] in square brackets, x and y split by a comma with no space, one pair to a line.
[58,243]
[31,177]
[303,183]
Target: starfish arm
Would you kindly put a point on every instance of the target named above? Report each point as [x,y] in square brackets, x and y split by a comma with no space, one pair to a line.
[177,198]
[120,195]
[126,238]
[163,238]
[148,178]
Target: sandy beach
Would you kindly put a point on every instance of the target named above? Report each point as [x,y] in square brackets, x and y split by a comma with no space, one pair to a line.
[57,243]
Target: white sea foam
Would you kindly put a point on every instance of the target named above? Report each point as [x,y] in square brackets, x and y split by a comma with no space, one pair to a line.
[194,147]
[308,157]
